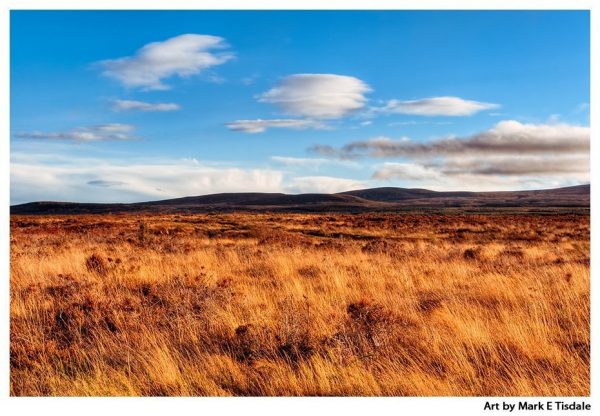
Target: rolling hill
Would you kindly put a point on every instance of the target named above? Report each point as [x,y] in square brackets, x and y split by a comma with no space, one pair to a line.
[364,200]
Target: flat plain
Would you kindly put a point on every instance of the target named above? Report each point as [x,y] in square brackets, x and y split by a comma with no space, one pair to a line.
[300,304]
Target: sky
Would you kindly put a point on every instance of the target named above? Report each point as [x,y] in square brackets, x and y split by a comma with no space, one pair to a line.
[124,106]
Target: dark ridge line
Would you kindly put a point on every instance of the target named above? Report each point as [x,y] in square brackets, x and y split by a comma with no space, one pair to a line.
[386,199]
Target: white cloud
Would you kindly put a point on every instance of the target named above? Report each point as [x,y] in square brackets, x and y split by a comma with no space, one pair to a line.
[575,166]
[102,132]
[413,175]
[436,106]
[259,125]
[93,180]
[322,184]
[509,156]
[300,161]
[469,182]
[322,96]
[406,171]
[54,177]
[182,56]
[114,128]
[565,167]
[126,105]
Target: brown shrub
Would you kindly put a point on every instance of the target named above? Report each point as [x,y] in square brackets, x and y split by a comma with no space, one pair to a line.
[96,264]
[332,245]
[367,312]
[378,246]
[261,270]
[428,301]
[472,254]
[515,252]
[295,338]
[368,328]
[309,272]
[283,239]
[251,342]
[297,348]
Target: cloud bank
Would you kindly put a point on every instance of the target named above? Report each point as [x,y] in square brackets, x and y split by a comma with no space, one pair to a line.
[182,56]
[95,180]
[559,166]
[54,178]
[415,175]
[506,137]
[510,155]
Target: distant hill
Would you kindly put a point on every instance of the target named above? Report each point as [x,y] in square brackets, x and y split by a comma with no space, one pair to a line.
[363,200]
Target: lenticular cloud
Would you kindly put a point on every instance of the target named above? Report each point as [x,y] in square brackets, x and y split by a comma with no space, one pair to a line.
[323,96]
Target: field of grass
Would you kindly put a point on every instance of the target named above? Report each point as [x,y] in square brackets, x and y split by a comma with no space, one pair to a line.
[290,304]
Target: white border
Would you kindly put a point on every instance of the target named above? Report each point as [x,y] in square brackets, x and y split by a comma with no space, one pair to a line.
[262,406]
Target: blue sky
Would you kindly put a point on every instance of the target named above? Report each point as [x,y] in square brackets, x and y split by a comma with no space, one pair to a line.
[113,106]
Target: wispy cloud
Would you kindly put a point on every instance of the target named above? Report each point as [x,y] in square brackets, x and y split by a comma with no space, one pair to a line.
[259,125]
[314,163]
[582,107]
[105,184]
[249,80]
[436,106]
[321,96]
[102,132]
[182,56]
[415,123]
[126,105]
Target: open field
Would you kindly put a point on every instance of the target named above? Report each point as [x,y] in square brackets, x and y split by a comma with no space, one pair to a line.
[300,304]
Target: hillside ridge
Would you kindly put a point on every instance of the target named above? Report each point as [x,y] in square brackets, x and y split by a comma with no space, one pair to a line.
[362,200]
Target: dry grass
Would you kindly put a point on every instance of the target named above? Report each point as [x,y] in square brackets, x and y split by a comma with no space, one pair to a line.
[300,305]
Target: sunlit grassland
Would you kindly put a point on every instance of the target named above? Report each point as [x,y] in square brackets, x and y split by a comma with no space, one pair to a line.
[290,304]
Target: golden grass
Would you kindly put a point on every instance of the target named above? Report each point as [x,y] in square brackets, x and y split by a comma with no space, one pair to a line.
[289,304]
